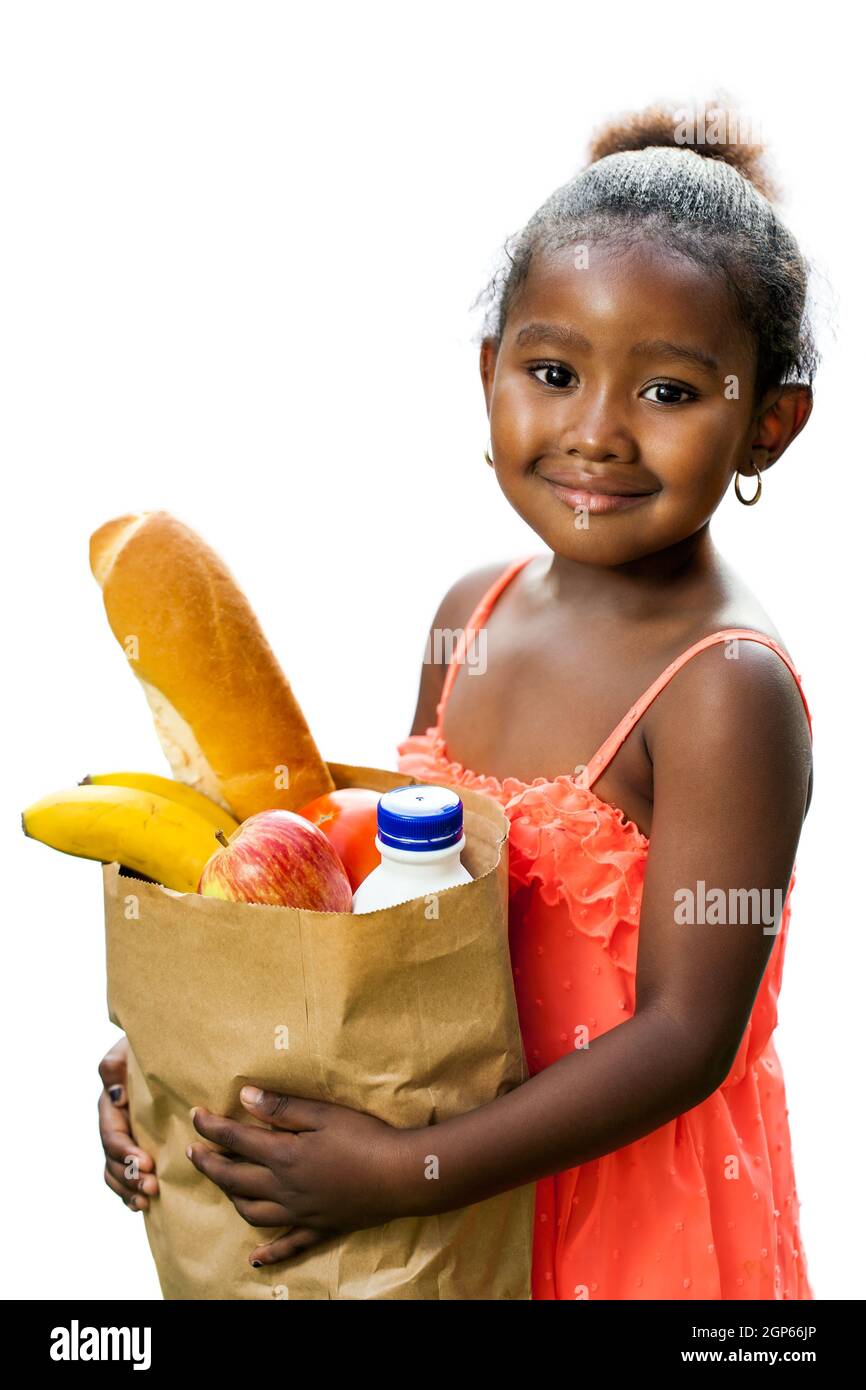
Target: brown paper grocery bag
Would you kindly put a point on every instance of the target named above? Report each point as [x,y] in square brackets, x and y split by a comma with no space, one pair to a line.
[401,1013]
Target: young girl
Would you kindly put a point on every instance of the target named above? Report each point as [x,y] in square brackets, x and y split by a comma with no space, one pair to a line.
[646,342]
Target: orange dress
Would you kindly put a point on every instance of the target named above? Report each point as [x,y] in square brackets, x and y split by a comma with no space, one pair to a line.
[706,1206]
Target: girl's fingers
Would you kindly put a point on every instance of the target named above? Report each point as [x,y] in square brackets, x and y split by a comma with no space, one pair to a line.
[282,1111]
[114,1131]
[112,1068]
[292,1243]
[128,1169]
[133,1180]
[135,1201]
[262,1213]
[236,1178]
[117,1144]
[248,1141]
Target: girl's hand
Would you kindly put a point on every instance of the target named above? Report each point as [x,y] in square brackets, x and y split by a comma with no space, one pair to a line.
[128,1169]
[320,1169]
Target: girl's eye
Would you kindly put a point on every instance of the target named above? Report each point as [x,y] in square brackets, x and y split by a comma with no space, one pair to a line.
[672,394]
[551,370]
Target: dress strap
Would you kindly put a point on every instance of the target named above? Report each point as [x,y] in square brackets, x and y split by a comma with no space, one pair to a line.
[598,763]
[478,618]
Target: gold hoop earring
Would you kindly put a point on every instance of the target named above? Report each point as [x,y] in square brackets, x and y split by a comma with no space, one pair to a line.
[747,501]
[487,457]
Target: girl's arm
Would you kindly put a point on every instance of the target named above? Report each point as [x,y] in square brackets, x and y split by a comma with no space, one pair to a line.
[731,760]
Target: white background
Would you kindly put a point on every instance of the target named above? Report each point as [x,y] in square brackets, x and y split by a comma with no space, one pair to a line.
[240,246]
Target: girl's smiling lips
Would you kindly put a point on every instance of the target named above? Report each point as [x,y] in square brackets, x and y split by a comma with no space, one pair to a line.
[595,495]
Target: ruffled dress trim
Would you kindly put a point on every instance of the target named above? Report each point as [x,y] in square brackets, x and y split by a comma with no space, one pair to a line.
[577,848]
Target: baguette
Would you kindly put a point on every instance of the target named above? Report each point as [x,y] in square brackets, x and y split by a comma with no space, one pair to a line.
[225,714]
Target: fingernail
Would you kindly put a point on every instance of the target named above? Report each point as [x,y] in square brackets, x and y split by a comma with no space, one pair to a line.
[192,1111]
[256,1264]
[251,1095]
[189,1150]
[115,1092]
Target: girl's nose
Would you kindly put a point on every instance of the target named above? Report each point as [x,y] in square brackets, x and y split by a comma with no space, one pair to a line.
[594,432]
[598,445]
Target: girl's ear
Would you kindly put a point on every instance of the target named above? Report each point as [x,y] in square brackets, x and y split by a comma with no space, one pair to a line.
[487,363]
[782,420]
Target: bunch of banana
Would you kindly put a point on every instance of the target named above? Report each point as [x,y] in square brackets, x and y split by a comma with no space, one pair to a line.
[158,827]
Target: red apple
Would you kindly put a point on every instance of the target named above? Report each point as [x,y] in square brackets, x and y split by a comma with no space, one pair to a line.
[277,858]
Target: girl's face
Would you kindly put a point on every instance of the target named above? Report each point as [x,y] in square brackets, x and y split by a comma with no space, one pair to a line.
[627,376]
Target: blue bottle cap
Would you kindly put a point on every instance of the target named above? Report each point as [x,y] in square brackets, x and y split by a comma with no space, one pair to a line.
[420,818]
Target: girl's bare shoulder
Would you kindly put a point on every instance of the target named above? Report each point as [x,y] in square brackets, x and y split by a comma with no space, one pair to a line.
[454,611]
[729,685]
[734,696]
[466,593]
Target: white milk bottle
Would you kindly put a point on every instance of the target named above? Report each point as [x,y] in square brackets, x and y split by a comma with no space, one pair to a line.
[420,838]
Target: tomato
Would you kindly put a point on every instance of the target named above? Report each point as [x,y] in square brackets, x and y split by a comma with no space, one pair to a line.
[348,818]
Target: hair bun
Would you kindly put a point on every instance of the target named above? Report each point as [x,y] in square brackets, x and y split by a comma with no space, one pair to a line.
[712,129]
